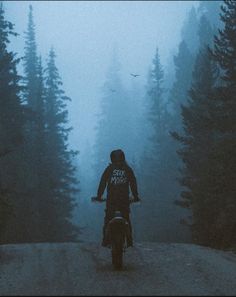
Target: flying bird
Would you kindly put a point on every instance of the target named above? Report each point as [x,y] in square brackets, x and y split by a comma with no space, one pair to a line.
[134,75]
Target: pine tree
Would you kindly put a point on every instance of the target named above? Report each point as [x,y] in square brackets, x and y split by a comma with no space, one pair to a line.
[34,132]
[157,113]
[224,156]
[157,168]
[205,33]
[30,62]
[209,141]
[58,164]
[11,129]
[40,154]
[152,163]
[202,81]
[189,31]
[183,61]
[196,140]
[211,10]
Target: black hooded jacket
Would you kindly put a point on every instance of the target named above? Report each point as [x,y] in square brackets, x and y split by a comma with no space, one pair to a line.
[118,177]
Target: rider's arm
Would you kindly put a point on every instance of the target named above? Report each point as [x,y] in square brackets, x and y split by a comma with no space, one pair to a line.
[133,184]
[103,183]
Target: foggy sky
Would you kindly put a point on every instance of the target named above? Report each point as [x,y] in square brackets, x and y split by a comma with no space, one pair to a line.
[84,35]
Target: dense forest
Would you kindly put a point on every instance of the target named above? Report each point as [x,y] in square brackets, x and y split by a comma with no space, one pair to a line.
[38,183]
[179,136]
[183,129]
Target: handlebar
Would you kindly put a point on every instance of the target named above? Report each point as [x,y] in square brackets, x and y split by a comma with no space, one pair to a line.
[95,199]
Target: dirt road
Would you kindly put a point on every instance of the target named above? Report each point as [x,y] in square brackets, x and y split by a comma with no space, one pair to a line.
[85,269]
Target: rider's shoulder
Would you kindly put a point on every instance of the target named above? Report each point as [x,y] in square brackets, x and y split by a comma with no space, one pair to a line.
[128,168]
[109,167]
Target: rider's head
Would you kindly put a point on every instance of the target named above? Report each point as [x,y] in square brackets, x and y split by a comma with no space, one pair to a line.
[117,156]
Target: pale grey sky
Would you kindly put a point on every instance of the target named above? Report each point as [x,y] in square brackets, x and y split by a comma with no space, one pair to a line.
[84,33]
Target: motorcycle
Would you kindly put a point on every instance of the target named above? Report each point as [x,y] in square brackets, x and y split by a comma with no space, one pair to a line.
[117,233]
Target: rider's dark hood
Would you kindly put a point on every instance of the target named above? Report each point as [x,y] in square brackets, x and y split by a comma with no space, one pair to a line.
[117,156]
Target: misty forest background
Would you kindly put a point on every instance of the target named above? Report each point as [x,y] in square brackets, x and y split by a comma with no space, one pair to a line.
[179,134]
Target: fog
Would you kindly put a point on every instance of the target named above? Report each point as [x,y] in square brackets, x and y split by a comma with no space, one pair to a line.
[86,35]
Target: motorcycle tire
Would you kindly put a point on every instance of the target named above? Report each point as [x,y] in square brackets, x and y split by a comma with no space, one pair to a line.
[117,255]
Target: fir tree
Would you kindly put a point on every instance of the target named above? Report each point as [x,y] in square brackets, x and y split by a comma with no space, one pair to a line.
[34,131]
[224,156]
[189,31]
[153,158]
[205,33]
[11,129]
[158,177]
[30,62]
[40,154]
[183,61]
[196,140]
[157,112]
[58,164]
[209,140]
[211,10]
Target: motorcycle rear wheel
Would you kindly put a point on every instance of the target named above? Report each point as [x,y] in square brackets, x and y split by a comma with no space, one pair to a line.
[117,255]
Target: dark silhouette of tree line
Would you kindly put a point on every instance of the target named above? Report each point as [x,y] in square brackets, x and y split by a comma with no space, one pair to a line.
[187,135]
[37,175]
[164,97]
[199,112]
[208,140]
[180,140]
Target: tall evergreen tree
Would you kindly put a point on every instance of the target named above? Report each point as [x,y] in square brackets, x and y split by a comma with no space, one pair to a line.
[157,168]
[11,129]
[152,162]
[211,10]
[58,164]
[40,154]
[37,175]
[157,114]
[34,130]
[209,139]
[184,61]
[196,140]
[224,156]
[205,33]
[203,79]
[189,31]
[49,169]
[30,62]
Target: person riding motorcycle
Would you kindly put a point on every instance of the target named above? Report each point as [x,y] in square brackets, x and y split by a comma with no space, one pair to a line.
[118,177]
